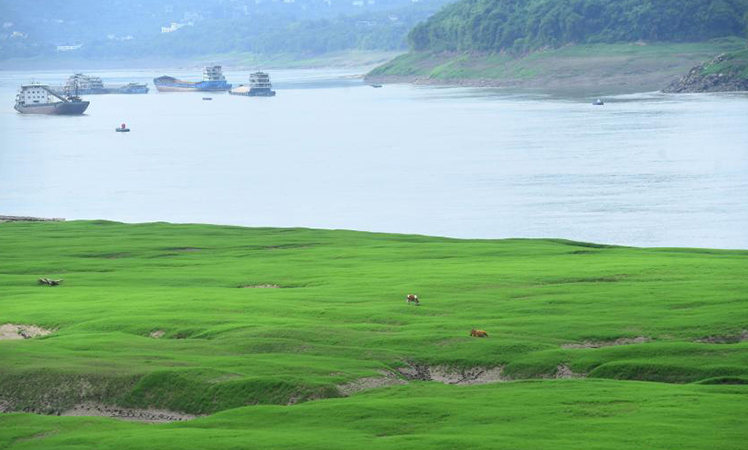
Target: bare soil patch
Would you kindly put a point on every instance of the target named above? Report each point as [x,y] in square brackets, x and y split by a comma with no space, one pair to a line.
[735,339]
[362,384]
[10,331]
[452,375]
[133,414]
[564,372]
[157,334]
[619,341]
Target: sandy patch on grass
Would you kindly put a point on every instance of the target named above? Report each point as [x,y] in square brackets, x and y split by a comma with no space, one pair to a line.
[261,286]
[619,341]
[451,375]
[133,414]
[564,372]
[742,337]
[10,331]
[362,384]
[157,334]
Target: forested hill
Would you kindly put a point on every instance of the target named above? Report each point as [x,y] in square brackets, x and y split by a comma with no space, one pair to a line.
[192,28]
[525,25]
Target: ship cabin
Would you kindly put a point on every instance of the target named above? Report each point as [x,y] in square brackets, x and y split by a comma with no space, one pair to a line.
[33,94]
[260,80]
[213,73]
[84,82]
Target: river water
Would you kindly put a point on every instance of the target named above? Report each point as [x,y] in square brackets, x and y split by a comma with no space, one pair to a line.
[330,152]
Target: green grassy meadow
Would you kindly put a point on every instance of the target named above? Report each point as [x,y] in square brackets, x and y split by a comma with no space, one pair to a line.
[241,355]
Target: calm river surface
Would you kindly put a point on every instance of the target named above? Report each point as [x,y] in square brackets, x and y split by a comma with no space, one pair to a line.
[331,152]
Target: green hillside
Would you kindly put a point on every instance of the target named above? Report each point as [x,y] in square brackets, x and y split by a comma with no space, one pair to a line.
[522,25]
[596,46]
[201,319]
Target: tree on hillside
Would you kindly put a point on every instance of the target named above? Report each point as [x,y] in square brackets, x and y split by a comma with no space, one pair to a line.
[525,25]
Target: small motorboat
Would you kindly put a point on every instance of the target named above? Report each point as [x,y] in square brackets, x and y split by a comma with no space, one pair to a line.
[375,85]
[122,129]
[207,98]
[598,102]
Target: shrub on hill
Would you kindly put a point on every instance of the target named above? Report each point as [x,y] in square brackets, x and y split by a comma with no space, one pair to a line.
[525,25]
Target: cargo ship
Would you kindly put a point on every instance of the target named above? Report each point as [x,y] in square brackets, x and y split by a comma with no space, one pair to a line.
[259,86]
[89,85]
[213,80]
[39,99]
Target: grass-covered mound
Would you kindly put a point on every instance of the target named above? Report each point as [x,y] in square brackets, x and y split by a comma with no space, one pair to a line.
[200,319]
[562,415]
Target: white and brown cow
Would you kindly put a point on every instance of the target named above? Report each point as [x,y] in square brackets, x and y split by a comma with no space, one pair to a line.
[412,298]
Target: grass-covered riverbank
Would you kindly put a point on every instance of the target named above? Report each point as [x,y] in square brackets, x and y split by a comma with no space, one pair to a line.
[603,68]
[200,319]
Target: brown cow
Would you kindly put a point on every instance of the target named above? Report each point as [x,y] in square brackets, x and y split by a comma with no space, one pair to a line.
[478,333]
[412,298]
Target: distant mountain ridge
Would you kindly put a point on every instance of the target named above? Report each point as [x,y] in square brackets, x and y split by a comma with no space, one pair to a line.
[191,28]
[520,26]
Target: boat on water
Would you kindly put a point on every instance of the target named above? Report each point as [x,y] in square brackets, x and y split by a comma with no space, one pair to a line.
[598,102]
[90,85]
[131,88]
[375,85]
[83,85]
[259,86]
[213,80]
[40,99]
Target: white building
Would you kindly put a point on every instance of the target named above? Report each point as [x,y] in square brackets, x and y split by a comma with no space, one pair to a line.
[34,94]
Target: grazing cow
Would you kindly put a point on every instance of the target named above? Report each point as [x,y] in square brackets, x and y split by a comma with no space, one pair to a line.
[412,298]
[478,333]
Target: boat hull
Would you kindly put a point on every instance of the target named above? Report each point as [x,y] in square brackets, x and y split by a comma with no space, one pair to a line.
[252,92]
[169,84]
[58,108]
[131,90]
[113,90]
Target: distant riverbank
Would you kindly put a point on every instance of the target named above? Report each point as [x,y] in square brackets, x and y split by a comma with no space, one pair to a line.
[597,69]
[365,59]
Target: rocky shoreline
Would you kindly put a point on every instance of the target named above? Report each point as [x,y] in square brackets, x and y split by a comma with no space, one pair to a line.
[702,78]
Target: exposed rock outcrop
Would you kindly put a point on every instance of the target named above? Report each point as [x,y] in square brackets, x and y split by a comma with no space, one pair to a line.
[725,73]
